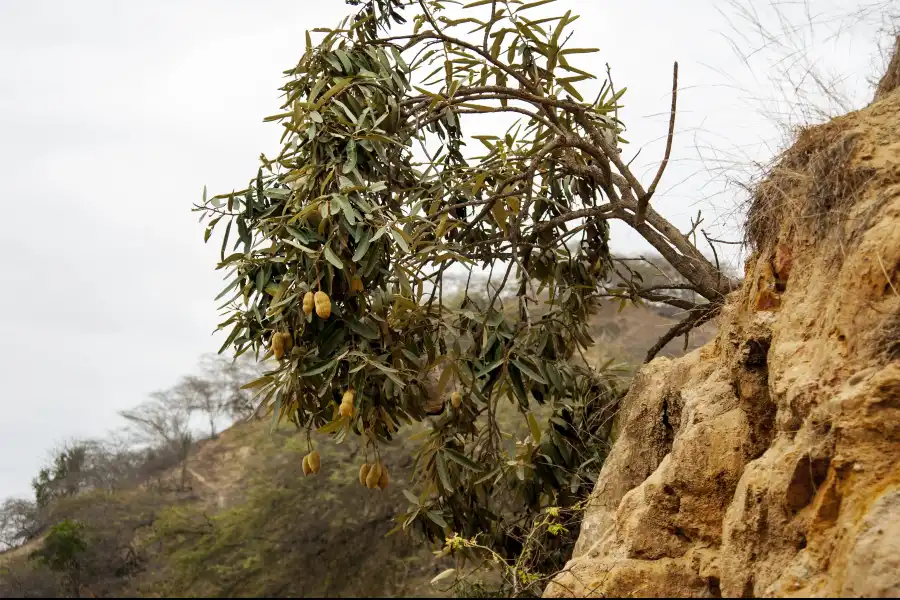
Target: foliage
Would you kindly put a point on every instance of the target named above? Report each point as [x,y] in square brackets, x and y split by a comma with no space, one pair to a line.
[546,546]
[378,195]
[62,478]
[61,551]
[286,535]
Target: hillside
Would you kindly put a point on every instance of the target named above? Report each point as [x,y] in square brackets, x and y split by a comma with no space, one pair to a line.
[250,524]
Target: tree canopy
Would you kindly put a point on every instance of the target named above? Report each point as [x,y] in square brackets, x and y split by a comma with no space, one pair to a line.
[422,139]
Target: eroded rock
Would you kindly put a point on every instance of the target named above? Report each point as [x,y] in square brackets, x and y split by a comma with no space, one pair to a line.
[767,463]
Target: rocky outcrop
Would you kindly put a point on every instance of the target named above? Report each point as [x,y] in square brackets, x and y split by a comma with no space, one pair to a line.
[767,463]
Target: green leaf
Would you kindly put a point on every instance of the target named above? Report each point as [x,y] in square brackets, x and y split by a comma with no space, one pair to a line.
[334,90]
[555,379]
[533,426]
[350,163]
[488,368]
[571,89]
[367,331]
[320,369]
[529,371]
[438,519]
[333,425]
[533,5]
[462,460]
[332,258]
[442,472]
[362,248]
[578,51]
[315,116]
[345,60]
[398,237]
[257,382]
[411,497]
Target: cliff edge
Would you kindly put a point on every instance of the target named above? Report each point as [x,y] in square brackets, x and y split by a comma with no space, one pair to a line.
[767,462]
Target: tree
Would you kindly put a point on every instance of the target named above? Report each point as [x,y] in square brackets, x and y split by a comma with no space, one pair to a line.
[378,196]
[60,552]
[200,394]
[164,422]
[19,522]
[66,476]
[228,376]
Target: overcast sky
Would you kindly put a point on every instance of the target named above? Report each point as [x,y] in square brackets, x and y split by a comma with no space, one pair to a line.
[114,114]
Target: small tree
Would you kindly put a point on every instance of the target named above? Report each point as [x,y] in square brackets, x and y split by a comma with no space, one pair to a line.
[203,395]
[60,552]
[229,376]
[19,522]
[66,476]
[382,189]
[164,421]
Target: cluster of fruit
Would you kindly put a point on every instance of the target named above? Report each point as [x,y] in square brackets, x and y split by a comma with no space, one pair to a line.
[373,476]
[346,408]
[320,300]
[311,463]
[282,342]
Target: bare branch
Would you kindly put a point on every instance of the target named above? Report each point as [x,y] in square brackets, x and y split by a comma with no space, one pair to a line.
[697,318]
[645,199]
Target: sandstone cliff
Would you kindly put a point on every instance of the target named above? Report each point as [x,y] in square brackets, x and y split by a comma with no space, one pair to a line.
[767,463]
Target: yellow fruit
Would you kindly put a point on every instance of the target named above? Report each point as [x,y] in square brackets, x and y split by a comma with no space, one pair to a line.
[306,468]
[373,476]
[314,463]
[278,346]
[456,399]
[323,305]
[346,409]
[363,471]
[288,341]
[308,303]
[383,480]
[356,285]
[348,397]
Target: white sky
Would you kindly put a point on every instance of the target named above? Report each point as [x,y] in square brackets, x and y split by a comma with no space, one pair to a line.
[113,115]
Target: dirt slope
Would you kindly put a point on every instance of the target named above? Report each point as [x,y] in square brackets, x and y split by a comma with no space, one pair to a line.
[767,463]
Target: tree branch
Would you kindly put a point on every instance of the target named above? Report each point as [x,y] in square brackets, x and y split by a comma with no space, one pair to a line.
[698,317]
[645,199]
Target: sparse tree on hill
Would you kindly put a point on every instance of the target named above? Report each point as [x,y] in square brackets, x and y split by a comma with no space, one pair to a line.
[19,522]
[228,376]
[163,422]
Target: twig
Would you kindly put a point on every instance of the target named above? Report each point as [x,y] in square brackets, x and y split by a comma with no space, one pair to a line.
[487,30]
[735,242]
[643,201]
[715,255]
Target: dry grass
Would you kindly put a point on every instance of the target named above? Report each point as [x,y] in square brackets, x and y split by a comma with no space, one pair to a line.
[885,341]
[891,79]
[811,187]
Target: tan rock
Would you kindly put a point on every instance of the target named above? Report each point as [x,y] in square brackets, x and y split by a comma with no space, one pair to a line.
[767,463]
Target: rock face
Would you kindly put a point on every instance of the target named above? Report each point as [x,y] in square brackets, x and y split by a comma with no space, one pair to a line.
[767,463]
